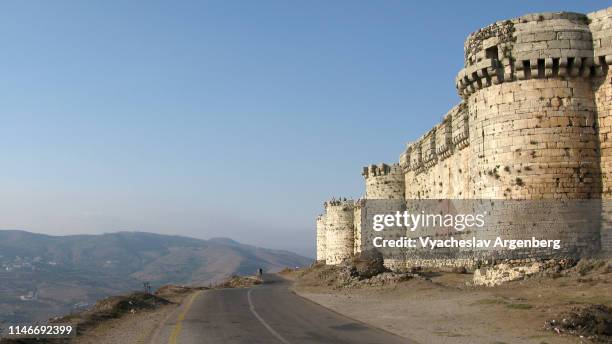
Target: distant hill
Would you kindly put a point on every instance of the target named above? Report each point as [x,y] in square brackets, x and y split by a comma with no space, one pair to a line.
[43,275]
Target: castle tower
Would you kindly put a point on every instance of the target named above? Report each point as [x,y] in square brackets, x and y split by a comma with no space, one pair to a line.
[321,247]
[600,24]
[385,188]
[527,83]
[384,181]
[533,122]
[339,231]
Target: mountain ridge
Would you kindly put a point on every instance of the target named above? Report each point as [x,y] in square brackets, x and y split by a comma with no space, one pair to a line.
[43,275]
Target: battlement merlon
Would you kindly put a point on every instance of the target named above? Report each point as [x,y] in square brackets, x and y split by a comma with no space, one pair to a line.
[321,218]
[440,142]
[340,202]
[360,203]
[381,169]
[540,45]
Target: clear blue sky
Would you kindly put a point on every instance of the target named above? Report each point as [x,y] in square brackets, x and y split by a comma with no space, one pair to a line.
[218,118]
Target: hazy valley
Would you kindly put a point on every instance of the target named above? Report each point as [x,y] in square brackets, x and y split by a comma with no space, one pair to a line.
[43,276]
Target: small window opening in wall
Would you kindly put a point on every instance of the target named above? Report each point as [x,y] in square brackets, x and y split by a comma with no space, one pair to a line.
[492,53]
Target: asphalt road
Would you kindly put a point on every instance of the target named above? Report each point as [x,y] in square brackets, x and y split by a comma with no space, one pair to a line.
[267,313]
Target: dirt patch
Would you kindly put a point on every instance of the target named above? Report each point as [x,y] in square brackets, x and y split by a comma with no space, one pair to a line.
[591,321]
[293,274]
[130,318]
[171,291]
[286,271]
[348,276]
[139,323]
[116,306]
[435,307]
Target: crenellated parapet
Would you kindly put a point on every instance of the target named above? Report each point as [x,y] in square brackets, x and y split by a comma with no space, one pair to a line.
[339,202]
[460,123]
[444,138]
[536,46]
[380,170]
[412,158]
[440,143]
[384,181]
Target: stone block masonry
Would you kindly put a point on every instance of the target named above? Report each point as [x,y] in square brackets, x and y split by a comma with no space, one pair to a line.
[339,231]
[384,181]
[534,122]
[321,238]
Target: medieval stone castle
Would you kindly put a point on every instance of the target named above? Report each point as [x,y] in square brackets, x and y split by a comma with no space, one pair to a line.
[534,122]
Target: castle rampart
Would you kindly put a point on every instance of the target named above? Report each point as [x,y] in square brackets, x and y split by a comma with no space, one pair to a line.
[534,122]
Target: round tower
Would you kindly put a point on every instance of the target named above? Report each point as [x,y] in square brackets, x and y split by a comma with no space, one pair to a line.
[339,232]
[321,238]
[527,83]
[384,181]
[533,119]
[600,23]
[385,191]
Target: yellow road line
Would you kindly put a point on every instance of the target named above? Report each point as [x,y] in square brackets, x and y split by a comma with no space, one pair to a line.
[176,331]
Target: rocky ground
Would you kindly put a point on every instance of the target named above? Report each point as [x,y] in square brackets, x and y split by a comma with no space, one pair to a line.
[239,282]
[132,318]
[569,305]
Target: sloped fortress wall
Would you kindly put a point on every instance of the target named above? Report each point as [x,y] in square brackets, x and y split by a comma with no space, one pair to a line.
[601,28]
[600,24]
[534,123]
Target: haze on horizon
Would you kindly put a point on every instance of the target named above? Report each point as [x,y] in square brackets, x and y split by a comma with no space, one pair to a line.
[218,119]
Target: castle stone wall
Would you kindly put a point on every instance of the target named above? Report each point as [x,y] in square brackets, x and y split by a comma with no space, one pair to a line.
[601,29]
[534,123]
[603,100]
[444,173]
[321,238]
[384,181]
[358,226]
[535,139]
[339,231]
